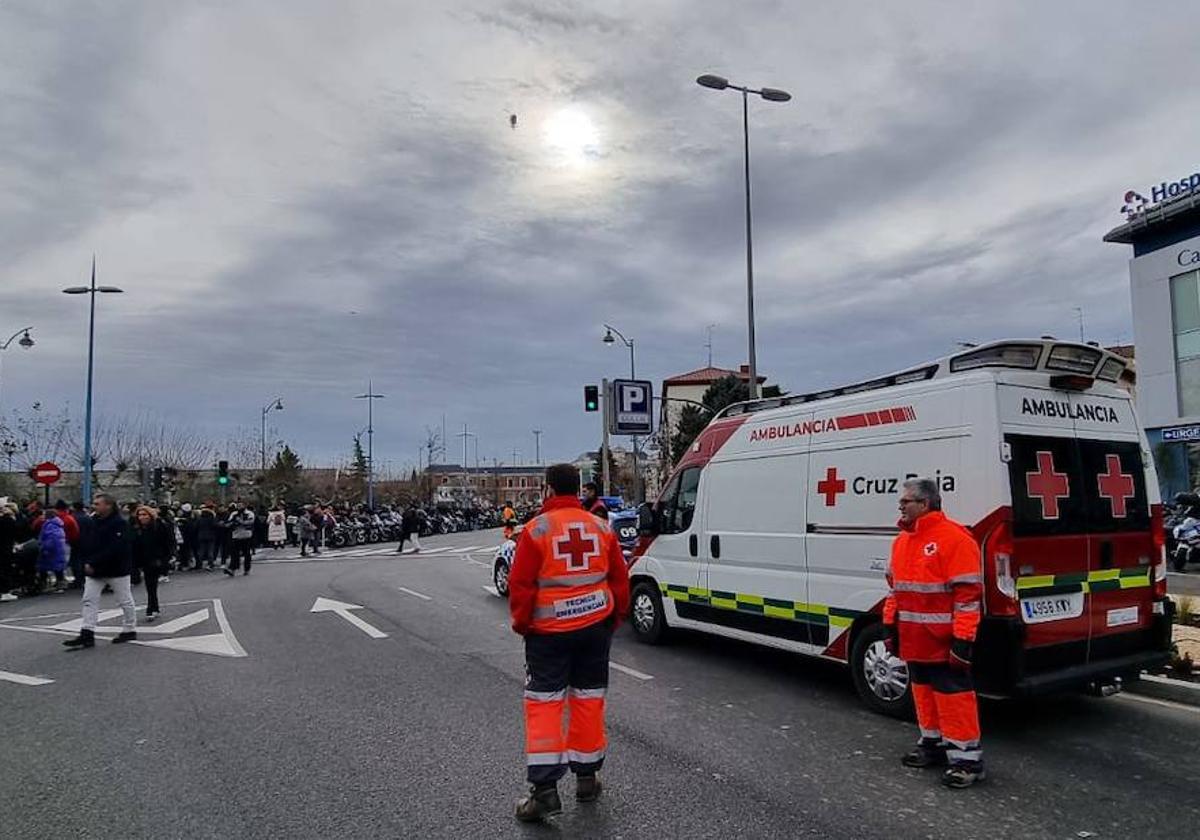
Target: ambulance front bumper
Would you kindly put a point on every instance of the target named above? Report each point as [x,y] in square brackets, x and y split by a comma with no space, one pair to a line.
[1004,667]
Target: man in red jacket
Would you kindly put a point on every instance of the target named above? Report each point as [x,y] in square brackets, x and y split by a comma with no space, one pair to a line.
[933,613]
[568,589]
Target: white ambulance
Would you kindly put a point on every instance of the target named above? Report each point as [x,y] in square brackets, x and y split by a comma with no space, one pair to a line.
[776,527]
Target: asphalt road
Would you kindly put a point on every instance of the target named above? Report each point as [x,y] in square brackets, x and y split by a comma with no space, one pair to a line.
[252,716]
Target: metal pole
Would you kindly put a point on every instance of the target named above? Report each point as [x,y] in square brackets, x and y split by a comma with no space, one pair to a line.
[87,421]
[749,252]
[604,439]
[637,478]
[370,447]
[263,441]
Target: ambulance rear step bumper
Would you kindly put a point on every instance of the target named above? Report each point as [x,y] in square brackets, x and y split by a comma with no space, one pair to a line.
[1080,676]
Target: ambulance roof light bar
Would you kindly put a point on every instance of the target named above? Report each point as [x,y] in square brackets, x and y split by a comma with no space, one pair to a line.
[1074,360]
[902,378]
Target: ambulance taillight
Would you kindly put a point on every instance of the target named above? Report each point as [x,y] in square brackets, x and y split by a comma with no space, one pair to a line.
[998,562]
[1158,532]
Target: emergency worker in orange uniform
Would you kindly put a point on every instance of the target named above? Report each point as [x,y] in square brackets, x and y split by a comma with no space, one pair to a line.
[568,589]
[933,613]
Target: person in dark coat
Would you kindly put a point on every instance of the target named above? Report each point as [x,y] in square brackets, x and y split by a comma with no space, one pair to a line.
[105,551]
[206,536]
[152,547]
[410,529]
[8,540]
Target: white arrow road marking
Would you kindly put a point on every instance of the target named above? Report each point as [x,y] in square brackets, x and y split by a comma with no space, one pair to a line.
[343,609]
[414,593]
[75,624]
[491,590]
[625,669]
[216,644]
[175,624]
[22,679]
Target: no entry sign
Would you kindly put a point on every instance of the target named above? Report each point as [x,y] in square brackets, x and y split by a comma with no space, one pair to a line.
[46,473]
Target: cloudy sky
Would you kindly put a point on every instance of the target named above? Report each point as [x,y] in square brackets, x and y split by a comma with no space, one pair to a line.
[298,196]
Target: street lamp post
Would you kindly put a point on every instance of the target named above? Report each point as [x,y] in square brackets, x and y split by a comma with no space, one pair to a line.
[25,343]
[274,405]
[537,446]
[92,290]
[771,95]
[370,397]
[628,342]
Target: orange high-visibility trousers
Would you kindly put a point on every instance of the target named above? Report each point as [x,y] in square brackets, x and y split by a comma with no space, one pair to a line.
[947,710]
[566,672]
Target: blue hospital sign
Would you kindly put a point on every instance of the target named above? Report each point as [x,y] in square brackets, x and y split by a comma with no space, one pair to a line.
[633,407]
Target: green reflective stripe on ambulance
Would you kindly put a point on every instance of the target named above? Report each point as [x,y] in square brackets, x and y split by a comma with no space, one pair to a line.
[762,605]
[1102,580]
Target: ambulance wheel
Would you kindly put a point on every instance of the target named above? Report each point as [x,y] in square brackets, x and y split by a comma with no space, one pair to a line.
[500,577]
[880,678]
[646,614]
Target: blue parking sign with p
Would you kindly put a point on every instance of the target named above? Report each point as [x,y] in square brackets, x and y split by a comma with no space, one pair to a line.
[633,407]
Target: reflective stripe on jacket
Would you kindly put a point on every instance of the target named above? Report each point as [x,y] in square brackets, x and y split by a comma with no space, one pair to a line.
[936,587]
[568,572]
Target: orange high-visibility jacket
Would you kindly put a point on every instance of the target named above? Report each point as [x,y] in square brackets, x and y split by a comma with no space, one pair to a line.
[568,572]
[936,580]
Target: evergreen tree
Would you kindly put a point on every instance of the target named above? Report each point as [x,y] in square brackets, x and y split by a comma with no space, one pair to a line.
[359,467]
[693,419]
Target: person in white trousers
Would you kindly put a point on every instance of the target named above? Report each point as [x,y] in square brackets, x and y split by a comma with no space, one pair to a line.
[106,559]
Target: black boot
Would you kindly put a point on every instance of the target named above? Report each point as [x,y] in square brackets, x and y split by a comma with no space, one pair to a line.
[926,754]
[541,802]
[85,639]
[587,788]
[127,636]
[963,775]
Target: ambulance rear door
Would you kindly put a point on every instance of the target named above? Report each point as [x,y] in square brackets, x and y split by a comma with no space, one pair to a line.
[1081,519]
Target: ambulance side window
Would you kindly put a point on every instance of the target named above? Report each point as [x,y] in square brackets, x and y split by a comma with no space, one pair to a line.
[679,510]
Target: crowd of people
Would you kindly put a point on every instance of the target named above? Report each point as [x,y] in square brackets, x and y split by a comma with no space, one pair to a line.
[39,545]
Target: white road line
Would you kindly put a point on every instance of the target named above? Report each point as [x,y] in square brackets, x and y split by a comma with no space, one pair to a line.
[1154,701]
[414,593]
[22,679]
[491,590]
[625,669]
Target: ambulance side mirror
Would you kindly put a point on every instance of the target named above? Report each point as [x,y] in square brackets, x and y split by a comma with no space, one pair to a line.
[648,521]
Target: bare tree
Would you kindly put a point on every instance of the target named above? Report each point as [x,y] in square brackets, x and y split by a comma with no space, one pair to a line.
[48,435]
[241,449]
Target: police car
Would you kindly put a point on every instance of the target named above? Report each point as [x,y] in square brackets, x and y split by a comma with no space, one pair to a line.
[624,523]
[776,527]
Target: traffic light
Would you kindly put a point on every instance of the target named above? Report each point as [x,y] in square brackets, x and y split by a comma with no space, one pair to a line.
[158,475]
[222,473]
[591,398]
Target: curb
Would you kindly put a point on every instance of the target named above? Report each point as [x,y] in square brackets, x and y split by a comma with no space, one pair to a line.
[1164,688]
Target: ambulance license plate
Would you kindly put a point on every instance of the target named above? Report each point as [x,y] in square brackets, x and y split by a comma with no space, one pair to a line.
[1052,608]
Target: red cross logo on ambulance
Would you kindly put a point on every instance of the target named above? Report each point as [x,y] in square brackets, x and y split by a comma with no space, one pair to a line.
[1116,486]
[576,548]
[1047,486]
[831,486]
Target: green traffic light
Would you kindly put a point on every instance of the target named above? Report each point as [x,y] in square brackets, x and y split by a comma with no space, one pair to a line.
[223,480]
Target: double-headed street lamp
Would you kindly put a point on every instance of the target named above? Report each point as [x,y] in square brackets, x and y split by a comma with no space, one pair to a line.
[11,448]
[628,342]
[25,343]
[87,422]
[370,397]
[274,405]
[771,95]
